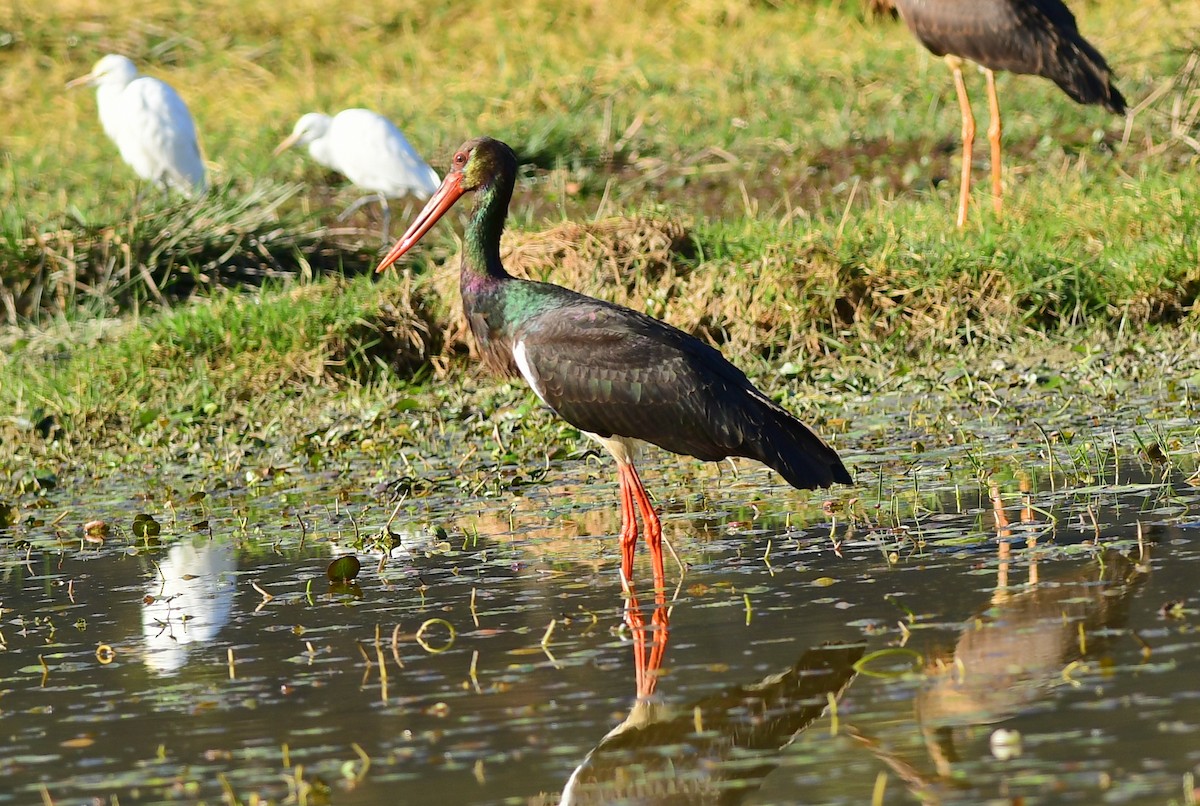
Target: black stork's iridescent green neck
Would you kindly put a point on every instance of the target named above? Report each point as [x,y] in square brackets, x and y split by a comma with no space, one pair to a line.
[616,374]
[496,165]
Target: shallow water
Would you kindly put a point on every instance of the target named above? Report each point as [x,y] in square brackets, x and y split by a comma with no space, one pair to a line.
[935,640]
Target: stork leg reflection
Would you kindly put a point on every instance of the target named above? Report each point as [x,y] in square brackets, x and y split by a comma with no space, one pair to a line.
[1004,533]
[717,749]
[650,649]
[968,138]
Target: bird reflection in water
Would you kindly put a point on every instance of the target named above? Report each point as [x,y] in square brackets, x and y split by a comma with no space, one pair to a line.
[189,600]
[685,754]
[1015,652]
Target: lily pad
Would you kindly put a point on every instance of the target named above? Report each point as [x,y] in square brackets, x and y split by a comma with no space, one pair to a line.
[145,526]
[343,569]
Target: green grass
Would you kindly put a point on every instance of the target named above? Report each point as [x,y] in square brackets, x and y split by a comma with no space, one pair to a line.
[786,86]
[775,177]
[209,355]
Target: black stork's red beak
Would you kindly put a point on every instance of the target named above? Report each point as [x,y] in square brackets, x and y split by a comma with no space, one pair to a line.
[445,197]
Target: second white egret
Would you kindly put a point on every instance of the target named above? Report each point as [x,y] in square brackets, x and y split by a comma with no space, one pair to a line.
[150,124]
[370,151]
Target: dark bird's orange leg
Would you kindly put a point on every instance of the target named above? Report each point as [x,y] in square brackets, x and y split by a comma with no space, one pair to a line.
[632,490]
[653,531]
[994,138]
[629,527]
[968,138]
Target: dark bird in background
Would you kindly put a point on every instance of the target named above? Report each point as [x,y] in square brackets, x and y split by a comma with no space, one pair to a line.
[1034,37]
[618,375]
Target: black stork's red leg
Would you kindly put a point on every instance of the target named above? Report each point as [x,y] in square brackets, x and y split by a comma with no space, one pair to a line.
[995,128]
[614,373]
[629,526]
[968,138]
[634,501]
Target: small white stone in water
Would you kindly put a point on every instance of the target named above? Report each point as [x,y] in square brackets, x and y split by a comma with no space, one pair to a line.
[1006,744]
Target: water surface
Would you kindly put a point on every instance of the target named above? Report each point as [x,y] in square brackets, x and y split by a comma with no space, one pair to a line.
[935,635]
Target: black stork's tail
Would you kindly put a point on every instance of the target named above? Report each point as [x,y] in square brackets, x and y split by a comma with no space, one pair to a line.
[793,450]
[1082,73]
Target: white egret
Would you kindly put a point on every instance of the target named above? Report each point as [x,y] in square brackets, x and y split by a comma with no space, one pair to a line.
[370,151]
[150,124]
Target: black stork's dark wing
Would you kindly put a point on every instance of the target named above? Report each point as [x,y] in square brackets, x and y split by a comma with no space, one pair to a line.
[609,370]
[1036,37]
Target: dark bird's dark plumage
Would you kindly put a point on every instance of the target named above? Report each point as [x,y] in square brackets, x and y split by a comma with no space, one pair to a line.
[616,374]
[612,371]
[1032,37]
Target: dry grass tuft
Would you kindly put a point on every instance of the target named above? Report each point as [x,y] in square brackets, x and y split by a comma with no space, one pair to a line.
[623,248]
[403,333]
[164,254]
[1175,107]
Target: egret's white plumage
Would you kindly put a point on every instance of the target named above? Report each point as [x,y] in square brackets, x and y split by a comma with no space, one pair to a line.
[367,149]
[150,124]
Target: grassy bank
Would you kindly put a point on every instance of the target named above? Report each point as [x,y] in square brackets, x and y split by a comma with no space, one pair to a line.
[776,178]
[773,111]
[820,315]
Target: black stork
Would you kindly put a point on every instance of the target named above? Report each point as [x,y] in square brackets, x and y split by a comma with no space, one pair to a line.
[618,375]
[1033,37]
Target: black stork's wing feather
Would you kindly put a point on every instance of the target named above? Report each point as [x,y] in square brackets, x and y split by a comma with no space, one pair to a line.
[1036,37]
[609,370]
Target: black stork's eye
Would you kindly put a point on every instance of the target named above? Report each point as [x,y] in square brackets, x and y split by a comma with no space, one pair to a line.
[460,159]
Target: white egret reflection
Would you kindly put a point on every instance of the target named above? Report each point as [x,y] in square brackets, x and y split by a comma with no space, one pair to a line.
[189,600]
